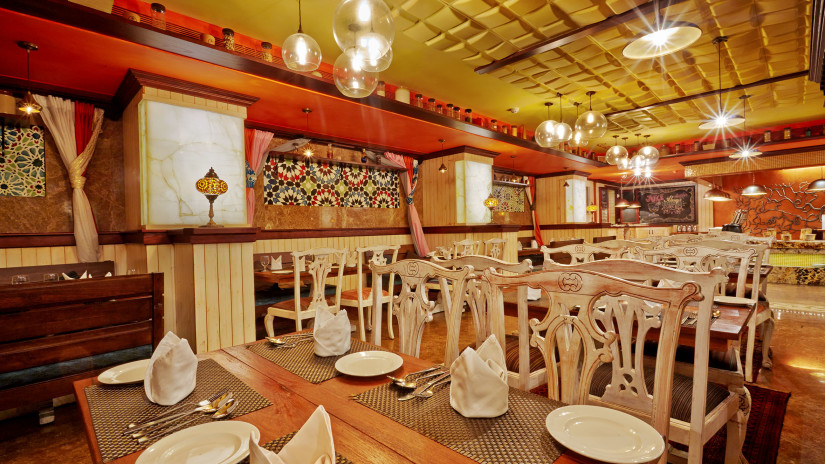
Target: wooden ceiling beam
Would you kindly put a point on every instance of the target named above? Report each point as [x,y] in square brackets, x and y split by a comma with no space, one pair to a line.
[576,34]
[710,93]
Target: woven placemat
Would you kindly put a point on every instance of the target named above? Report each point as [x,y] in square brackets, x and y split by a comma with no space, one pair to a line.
[114,407]
[278,444]
[518,436]
[302,361]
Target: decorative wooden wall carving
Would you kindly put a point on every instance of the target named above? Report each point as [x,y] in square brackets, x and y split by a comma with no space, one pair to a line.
[787,207]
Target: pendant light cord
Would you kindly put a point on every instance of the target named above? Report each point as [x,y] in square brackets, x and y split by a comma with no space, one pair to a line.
[561,113]
[28,70]
[300,24]
[719,67]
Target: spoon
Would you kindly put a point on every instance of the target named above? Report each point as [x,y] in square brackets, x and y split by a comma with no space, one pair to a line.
[426,387]
[429,392]
[287,343]
[225,410]
[208,409]
[216,398]
[411,384]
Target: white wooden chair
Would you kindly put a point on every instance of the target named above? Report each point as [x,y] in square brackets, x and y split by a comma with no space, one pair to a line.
[412,307]
[580,253]
[609,327]
[627,246]
[692,426]
[494,247]
[361,296]
[319,264]
[466,247]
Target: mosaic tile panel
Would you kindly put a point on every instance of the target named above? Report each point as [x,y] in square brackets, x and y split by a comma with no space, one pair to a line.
[324,183]
[510,198]
[22,162]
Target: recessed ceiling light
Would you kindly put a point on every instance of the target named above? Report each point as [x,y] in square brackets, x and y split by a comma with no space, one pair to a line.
[662,41]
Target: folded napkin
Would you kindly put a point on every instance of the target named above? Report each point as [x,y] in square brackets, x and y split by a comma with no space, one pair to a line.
[533,294]
[108,274]
[311,445]
[479,381]
[171,373]
[331,333]
[68,276]
[276,264]
[519,246]
[534,244]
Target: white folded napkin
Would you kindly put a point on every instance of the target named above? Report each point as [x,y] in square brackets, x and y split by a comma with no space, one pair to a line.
[534,244]
[519,246]
[85,275]
[311,445]
[172,370]
[108,274]
[276,264]
[479,381]
[533,294]
[331,333]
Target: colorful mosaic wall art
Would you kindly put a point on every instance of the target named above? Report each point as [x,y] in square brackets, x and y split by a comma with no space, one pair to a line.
[510,198]
[22,162]
[325,183]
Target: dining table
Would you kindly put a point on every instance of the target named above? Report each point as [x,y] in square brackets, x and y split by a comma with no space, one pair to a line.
[361,434]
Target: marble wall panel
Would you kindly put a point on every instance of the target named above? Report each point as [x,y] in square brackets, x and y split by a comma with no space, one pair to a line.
[53,212]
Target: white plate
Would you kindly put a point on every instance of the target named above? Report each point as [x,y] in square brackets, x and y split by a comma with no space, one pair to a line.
[220,442]
[369,363]
[605,434]
[282,271]
[132,372]
[733,301]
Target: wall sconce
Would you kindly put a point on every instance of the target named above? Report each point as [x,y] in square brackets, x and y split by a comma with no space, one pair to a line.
[592,209]
[211,186]
[442,169]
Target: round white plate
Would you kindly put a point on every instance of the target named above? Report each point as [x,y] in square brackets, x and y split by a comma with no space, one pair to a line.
[368,363]
[132,372]
[605,434]
[220,442]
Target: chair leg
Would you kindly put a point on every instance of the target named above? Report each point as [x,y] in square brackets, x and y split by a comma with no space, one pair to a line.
[298,326]
[737,427]
[749,351]
[390,333]
[361,332]
[268,325]
[767,335]
[369,318]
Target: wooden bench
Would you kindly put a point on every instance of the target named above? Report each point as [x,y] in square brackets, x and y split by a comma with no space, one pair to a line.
[54,333]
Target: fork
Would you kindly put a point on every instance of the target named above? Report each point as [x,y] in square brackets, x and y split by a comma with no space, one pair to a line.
[178,407]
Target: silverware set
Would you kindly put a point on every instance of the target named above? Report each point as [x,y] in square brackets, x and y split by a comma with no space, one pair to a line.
[217,406]
[690,319]
[421,389]
[290,341]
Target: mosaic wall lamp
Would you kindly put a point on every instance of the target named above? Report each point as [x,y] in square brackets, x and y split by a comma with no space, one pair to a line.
[211,186]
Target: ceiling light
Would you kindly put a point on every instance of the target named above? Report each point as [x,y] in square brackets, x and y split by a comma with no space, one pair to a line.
[817,185]
[300,51]
[648,173]
[578,139]
[622,203]
[366,25]
[746,150]
[442,169]
[754,190]
[649,153]
[616,153]
[28,105]
[662,41]
[634,204]
[545,133]
[591,124]
[721,119]
[351,78]
[562,131]
[716,194]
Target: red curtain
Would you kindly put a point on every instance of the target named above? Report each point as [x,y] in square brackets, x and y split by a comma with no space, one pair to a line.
[536,225]
[84,121]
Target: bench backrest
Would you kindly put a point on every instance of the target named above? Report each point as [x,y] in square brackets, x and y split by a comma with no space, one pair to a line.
[35,273]
[49,322]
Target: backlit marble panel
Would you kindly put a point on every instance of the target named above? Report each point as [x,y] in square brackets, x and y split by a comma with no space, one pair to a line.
[478,183]
[576,199]
[460,202]
[178,146]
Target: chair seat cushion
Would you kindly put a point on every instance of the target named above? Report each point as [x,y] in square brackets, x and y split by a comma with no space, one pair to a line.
[366,294]
[685,354]
[74,366]
[290,304]
[682,391]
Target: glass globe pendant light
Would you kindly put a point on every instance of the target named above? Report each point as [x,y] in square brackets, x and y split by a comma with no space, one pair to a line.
[721,119]
[649,153]
[746,150]
[351,78]
[615,153]
[591,124]
[578,139]
[363,26]
[301,52]
[562,132]
[545,133]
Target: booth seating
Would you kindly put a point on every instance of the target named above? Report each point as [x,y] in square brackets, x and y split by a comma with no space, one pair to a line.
[53,333]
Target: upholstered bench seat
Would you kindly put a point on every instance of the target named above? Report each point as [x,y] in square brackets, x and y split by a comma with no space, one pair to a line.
[74,366]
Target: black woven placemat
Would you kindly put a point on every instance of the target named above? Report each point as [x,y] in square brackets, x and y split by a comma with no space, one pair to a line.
[278,444]
[114,407]
[302,361]
[518,436]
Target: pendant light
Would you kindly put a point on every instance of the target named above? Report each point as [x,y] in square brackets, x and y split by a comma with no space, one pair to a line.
[721,119]
[562,131]
[28,105]
[664,39]
[622,203]
[300,51]
[545,134]
[442,169]
[817,185]
[716,194]
[615,153]
[308,150]
[746,150]
[591,124]
[649,153]
[634,204]
[578,139]
[637,162]
[364,28]
[754,190]
[351,78]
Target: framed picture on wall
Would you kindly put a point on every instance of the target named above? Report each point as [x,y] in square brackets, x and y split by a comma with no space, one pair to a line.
[667,205]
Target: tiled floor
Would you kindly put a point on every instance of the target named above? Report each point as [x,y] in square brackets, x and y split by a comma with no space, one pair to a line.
[799,367]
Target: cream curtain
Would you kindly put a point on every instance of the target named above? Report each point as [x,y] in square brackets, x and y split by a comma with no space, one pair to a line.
[59,116]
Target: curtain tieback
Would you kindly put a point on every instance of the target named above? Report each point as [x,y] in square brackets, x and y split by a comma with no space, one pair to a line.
[77,168]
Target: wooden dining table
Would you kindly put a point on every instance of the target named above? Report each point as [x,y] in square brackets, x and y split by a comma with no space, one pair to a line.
[361,434]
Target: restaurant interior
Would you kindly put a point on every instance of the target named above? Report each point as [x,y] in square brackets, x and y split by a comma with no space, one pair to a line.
[412,231]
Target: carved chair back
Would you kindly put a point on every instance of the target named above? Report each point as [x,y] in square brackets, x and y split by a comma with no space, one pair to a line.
[627,246]
[494,247]
[378,254]
[485,322]
[321,264]
[581,253]
[412,306]
[466,247]
[594,319]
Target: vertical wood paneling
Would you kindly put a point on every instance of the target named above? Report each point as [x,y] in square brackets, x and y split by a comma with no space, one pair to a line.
[71,254]
[248,293]
[213,316]
[14,257]
[28,257]
[224,286]
[44,256]
[236,276]
[166,264]
[3,257]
